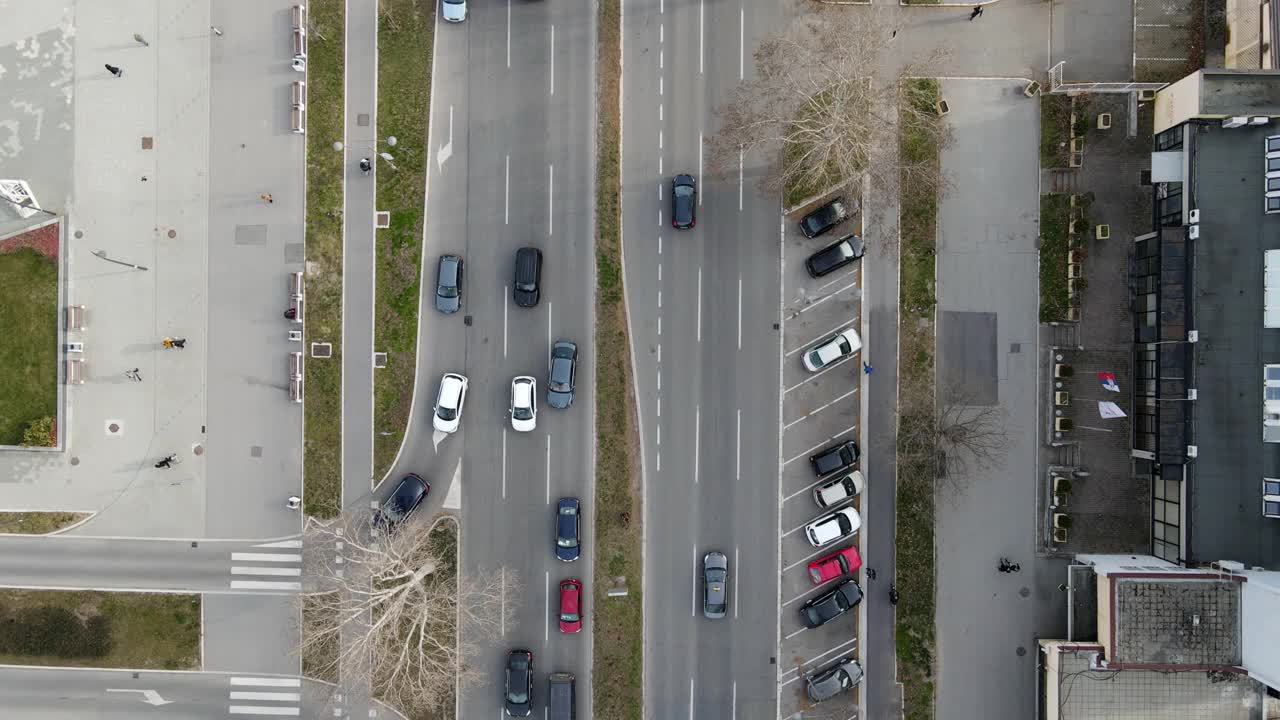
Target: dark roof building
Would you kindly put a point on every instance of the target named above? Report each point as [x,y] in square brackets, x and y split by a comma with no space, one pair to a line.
[1206,312]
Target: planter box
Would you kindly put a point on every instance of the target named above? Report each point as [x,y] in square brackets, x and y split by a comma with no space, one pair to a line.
[942,107]
[1031,89]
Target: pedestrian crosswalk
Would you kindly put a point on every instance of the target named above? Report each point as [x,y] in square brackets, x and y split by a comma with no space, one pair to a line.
[249,569]
[269,696]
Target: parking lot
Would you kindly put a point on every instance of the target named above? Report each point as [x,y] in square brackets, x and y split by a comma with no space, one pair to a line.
[819,409]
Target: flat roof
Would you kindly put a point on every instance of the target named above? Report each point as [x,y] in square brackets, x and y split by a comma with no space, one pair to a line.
[1176,621]
[1240,92]
[1225,520]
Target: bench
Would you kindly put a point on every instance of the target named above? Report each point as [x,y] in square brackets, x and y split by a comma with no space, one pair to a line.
[297,304]
[299,16]
[299,93]
[299,44]
[295,365]
[295,389]
[75,371]
[298,120]
[75,317]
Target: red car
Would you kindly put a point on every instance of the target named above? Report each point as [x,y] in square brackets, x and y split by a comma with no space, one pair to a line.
[570,606]
[830,567]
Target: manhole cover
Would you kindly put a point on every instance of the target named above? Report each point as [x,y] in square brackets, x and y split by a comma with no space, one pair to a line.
[198,450]
[79,234]
[255,451]
[75,461]
[1021,651]
[173,234]
[1024,592]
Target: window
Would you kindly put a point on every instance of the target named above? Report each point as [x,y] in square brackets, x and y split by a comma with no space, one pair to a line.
[1271,497]
[1270,486]
[1273,144]
[1271,508]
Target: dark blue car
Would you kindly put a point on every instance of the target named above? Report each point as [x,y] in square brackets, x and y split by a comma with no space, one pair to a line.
[406,498]
[568,544]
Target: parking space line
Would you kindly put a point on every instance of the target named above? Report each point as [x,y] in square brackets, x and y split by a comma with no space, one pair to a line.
[807,489]
[818,374]
[788,637]
[824,442]
[829,283]
[824,407]
[825,298]
[815,553]
[816,660]
[809,343]
[800,527]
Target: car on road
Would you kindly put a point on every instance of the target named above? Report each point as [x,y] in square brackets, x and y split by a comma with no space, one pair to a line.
[834,492]
[845,674]
[832,349]
[454,10]
[570,606]
[406,498]
[528,279]
[449,401]
[831,604]
[568,543]
[824,218]
[833,526]
[518,697]
[449,284]
[562,697]
[835,256]
[560,378]
[524,404]
[684,201]
[830,567]
[715,584]
[840,456]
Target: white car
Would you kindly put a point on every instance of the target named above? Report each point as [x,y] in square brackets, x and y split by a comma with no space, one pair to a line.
[453,10]
[453,393]
[829,528]
[838,490]
[837,347]
[524,406]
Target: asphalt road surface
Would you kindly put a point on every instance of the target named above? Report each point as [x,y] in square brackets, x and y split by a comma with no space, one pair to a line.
[703,304]
[512,165]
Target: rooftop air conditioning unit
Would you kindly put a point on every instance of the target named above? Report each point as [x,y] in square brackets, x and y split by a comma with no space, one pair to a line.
[1192,394]
[1194,215]
[1193,451]
[1193,232]
[1259,120]
[1235,122]
[1193,336]
[1230,565]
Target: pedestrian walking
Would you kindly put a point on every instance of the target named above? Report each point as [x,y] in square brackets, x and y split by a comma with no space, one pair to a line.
[180,342]
[291,313]
[977,11]
[1004,565]
[216,30]
[866,368]
[267,198]
[141,40]
[1016,567]
[294,502]
[133,375]
[167,342]
[893,594]
[113,69]
[167,462]
[871,573]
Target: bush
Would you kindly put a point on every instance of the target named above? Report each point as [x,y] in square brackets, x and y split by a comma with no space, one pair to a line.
[42,432]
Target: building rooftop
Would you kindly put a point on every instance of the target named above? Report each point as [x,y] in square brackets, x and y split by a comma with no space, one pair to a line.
[1176,621]
[1083,693]
[1224,494]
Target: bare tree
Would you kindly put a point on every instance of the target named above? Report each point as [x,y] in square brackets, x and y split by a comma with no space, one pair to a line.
[390,608]
[824,96]
[951,436]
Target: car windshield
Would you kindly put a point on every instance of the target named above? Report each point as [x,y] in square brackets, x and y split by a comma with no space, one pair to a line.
[684,191]
[526,287]
[446,413]
[518,696]
[570,617]
[448,292]
[523,413]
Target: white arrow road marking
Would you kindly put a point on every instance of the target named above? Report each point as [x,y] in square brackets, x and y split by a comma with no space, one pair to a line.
[150,697]
[453,500]
[446,150]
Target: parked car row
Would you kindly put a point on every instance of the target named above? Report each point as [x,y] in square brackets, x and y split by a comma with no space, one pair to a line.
[518,689]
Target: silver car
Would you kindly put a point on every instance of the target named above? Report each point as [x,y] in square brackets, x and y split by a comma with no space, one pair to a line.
[715,584]
[845,674]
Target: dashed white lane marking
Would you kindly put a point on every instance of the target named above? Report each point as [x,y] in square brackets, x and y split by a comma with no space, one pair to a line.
[697,439]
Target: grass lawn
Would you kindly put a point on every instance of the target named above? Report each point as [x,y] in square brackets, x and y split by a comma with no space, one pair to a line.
[29,352]
[1054,223]
[150,631]
[37,523]
[405,32]
[323,404]
[1055,130]
[618,665]
[914,535]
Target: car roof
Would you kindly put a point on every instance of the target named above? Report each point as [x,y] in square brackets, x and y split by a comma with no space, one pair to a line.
[449,266]
[451,388]
[833,492]
[522,389]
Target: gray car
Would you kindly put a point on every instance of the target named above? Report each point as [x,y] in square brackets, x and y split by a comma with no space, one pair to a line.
[564,366]
[449,284]
[715,585]
[845,674]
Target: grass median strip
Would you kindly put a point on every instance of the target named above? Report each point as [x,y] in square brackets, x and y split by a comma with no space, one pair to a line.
[322,448]
[618,665]
[38,523]
[29,352]
[147,631]
[405,32]
[917,460]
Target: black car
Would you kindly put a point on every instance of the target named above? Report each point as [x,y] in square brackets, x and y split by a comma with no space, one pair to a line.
[684,200]
[449,284]
[406,498]
[568,545]
[528,279]
[833,257]
[519,692]
[824,218]
[835,458]
[564,365]
[831,604]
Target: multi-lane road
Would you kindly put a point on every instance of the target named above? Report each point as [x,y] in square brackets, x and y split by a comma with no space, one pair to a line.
[703,306]
[512,164]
